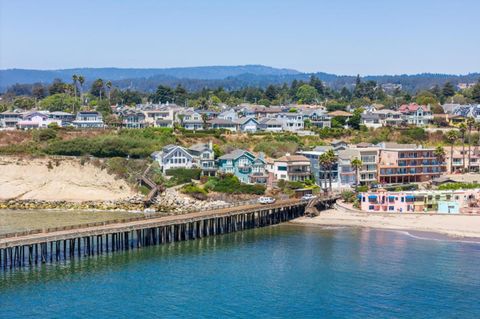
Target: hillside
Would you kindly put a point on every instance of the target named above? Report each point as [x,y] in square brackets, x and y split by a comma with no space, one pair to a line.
[229,77]
[66,179]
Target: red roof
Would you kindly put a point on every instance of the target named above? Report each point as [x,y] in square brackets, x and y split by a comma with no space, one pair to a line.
[412,107]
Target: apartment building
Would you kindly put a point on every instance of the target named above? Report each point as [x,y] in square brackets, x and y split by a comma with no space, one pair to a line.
[455,163]
[407,163]
[294,168]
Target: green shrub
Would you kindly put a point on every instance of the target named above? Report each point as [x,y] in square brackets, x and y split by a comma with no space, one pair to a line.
[183,175]
[230,184]
[457,186]
[194,191]
[348,196]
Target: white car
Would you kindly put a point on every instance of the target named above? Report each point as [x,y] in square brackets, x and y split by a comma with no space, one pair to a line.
[308,197]
[266,200]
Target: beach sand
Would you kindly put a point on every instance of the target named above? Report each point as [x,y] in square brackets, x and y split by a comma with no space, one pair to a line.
[451,225]
[49,180]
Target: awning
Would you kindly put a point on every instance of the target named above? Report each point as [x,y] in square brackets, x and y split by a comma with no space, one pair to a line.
[410,197]
[391,197]
[372,197]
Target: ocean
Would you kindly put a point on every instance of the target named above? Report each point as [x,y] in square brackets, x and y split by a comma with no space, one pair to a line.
[283,271]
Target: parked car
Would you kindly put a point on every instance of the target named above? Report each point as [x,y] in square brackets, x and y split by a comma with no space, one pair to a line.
[266,200]
[308,197]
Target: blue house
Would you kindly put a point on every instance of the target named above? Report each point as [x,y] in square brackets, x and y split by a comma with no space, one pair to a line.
[246,166]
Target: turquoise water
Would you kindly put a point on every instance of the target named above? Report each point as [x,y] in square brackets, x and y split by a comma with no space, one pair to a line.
[277,272]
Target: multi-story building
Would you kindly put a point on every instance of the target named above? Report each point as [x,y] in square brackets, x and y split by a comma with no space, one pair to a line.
[366,174]
[160,117]
[455,163]
[174,156]
[132,119]
[407,163]
[65,118]
[244,165]
[322,175]
[88,119]
[205,157]
[444,202]
[291,121]
[8,120]
[190,120]
[35,120]
[293,168]
[414,114]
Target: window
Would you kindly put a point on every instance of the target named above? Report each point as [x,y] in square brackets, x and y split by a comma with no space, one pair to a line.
[370,207]
[391,208]
[282,168]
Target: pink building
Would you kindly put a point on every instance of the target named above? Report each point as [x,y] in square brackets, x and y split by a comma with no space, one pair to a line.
[446,202]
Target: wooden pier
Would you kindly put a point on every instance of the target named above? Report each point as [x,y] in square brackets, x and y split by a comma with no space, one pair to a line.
[62,245]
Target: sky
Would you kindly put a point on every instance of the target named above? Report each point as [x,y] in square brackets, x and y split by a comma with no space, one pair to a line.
[336,36]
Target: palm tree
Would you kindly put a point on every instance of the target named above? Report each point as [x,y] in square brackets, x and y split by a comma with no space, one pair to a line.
[356,163]
[463,130]
[109,86]
[451,137]
[81,80]
[470,125]
[439,154]
[331,160]
[75,79]
[323,161]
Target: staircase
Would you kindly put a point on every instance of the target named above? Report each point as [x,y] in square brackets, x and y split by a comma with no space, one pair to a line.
[154,188]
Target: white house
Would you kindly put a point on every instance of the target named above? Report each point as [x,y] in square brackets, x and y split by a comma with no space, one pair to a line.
[33,120]
[174,156]
[291,121]
[88,119]
[270,125]
[248,124]
[229,114]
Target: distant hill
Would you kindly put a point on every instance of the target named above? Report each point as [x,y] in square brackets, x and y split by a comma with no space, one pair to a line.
[229,77]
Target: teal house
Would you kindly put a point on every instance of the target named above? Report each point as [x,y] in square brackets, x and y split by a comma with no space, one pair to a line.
[249,169]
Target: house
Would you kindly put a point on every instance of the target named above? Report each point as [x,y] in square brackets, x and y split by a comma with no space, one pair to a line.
[161,117]
[221,124]
[442,202]
[8,120]
[291,121]
[317,117]
[366,174]
[244,165]
[371,120]
[407,163]
[174,156]
[390,117]
[204,157]
[293,168]
[471,110]
[455,161]
[65,118]
[270,125]
[415,114]
[132,119]
[35,120]
[88,119]
[229,114]
[247,124]
[190,120]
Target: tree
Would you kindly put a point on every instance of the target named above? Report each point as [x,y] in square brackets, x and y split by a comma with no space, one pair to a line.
[355,120]
[163,94]
[356,163]
[307,94]
[58,102]
[109,87]
[327,161]
[98,88]
[470,126]
[451,137]
[425,98]
[75,79]
[476,92]
[56,87]
[81,80]
[271,93]
[463,130]
[324,162]
[318,85]
[103,107]
[39,91]
[24,102]
[439,154]
[448,90]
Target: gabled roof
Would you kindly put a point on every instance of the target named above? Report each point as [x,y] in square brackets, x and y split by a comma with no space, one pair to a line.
[219,121]
[245,120]
[292,158]
[169,149]
[236,154]
[412,107]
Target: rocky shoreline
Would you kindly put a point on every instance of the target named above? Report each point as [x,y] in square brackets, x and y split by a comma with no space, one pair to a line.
[170,202]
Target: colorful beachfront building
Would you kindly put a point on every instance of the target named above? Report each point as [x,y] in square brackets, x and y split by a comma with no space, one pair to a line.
[432,201]
[407,163]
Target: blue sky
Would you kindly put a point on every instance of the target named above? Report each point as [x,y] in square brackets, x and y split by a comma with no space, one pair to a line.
[341,36]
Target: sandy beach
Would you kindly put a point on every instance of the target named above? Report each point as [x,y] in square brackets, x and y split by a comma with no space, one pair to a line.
[49,180]
[451,225]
